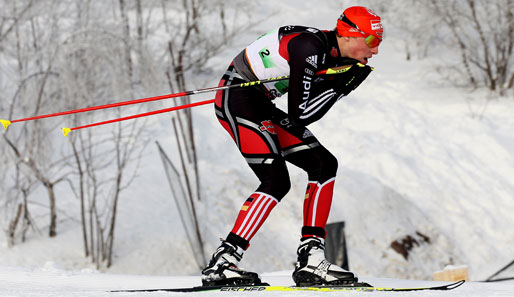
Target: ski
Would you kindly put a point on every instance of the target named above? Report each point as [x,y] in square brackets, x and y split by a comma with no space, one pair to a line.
[243,288]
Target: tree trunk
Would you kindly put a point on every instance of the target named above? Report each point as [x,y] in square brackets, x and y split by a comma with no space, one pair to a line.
[81,197]
[12,226]
[126,38]
[52,231]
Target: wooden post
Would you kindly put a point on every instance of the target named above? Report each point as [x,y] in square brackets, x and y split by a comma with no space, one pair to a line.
[452,273]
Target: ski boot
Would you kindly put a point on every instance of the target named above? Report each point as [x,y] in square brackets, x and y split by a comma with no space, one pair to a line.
[223,271]
[312,269]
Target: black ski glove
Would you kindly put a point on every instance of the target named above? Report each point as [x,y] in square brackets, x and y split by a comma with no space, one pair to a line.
[344,83]
[351,79]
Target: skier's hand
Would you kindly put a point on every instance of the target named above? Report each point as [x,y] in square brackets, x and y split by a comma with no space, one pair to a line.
[346,82]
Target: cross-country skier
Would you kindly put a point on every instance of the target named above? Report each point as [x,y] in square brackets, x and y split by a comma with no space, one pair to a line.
[268,137]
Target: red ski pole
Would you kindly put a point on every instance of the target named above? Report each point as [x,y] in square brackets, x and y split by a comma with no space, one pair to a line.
[328,71]
[68,130]
[6,123]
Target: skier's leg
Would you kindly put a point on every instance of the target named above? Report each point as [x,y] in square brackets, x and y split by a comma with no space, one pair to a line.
[246,116]
[301,148]
[274,186]
[312,268]
[321,168]
[223,268]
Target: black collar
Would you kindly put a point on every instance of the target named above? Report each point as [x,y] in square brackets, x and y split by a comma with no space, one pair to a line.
[333,46]
[335,53]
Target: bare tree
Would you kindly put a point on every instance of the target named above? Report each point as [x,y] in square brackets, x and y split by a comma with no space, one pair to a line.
[483,33]
[70,54]
[16,206]
[36,89]
[104,161]
[411,18]
[190,45]
[479,32]
[194,38]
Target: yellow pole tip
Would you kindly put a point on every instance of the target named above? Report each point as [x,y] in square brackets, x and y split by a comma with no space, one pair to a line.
[5,123]
[66,131]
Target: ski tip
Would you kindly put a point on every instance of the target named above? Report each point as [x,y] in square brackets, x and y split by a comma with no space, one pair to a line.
[65,131]
[5,123]
[455,284]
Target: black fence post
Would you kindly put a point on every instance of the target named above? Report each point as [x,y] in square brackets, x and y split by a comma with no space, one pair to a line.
[335,245]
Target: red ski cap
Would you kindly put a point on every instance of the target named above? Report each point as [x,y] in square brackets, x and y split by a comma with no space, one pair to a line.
[359,21]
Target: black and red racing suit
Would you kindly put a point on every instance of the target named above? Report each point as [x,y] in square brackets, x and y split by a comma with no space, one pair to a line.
[267,137]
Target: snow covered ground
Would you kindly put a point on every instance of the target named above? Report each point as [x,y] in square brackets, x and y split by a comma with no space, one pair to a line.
[50,281]
[415,156]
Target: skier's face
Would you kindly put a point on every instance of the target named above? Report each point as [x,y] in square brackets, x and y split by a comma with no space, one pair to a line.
[356,48]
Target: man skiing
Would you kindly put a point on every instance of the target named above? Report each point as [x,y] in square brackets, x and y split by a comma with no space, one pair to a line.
[268,137]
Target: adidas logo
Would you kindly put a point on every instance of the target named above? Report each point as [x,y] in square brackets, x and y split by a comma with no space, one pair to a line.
[313,60]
